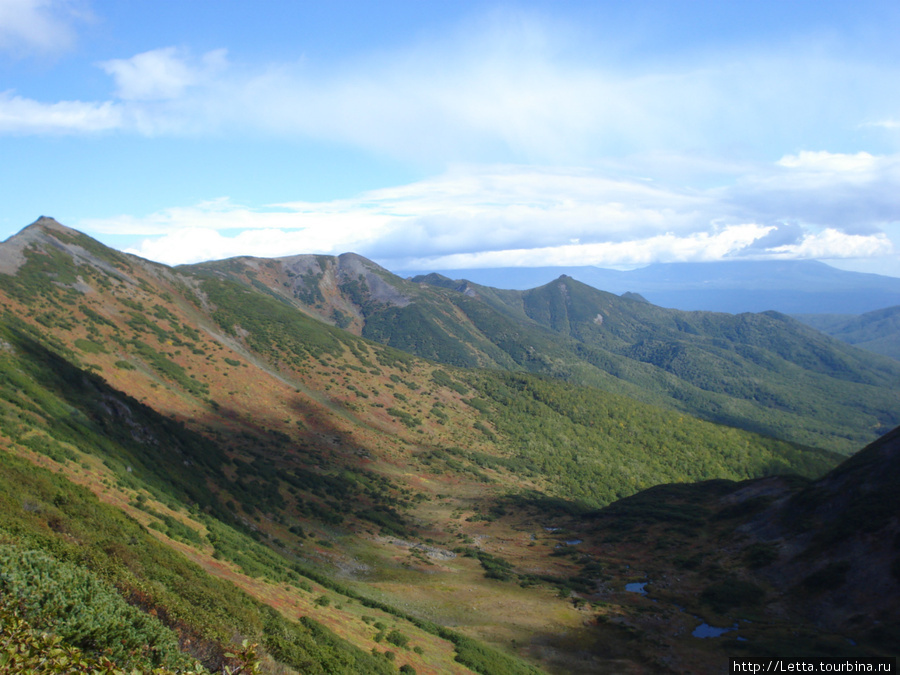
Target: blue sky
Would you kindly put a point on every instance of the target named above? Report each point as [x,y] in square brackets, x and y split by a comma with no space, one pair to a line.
[453,135]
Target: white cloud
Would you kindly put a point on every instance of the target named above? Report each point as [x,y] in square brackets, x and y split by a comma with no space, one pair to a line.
[161,73]
[889,124]
[831,243]
[193,234]
[851,192]
[22,115]
[197,244]
[41,25]
[151,89]
[468,209]
[526,215]
[831,162]
[668,247]
[479,97]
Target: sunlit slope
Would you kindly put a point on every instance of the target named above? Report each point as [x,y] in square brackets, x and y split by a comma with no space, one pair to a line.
[238,363]
[768,370]
[269,447]
[216,495]
[762,372]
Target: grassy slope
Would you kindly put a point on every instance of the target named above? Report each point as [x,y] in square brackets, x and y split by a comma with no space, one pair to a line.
[335,452]
[55,408]
[762,372]
[45,511]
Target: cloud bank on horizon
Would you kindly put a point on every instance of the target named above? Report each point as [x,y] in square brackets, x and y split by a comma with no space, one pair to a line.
[524,136]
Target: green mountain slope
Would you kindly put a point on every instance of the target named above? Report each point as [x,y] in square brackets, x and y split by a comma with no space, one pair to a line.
[762,372]
[730,367]
[877,331]
[193,442]
[192,542]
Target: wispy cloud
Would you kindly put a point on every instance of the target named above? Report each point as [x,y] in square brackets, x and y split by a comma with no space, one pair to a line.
[514,91]
[37,25]
[830,162]
[162,74]
[22,115]
[856,193]
[698,246]
[466,210]
[889,124]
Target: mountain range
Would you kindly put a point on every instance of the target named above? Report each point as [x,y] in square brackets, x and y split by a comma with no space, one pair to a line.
[355,472]
[787,286]
[743,370]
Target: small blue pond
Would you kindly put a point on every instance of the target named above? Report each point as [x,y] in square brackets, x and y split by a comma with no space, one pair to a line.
[704,630]
[637,587]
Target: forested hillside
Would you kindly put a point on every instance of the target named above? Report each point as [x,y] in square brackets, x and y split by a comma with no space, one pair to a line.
[877,331]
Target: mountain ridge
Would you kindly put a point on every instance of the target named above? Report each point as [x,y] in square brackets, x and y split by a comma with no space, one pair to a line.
[460,519]
[701,363]
[790,287]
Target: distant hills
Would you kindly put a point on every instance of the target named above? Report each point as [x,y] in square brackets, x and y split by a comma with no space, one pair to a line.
[877,331]
[788,286]
[310,464]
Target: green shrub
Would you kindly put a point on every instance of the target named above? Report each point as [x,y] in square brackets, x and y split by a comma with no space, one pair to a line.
[26,650]
[395,637]
[89,346]
[82,610]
